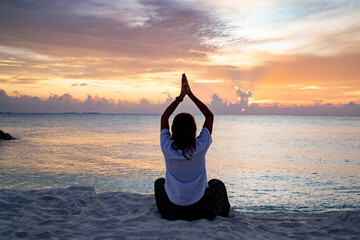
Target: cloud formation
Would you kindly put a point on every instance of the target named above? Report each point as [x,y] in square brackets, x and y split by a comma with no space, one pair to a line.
[67,103]
[220,106]
[297,52]
[163,30]
[132,43]
[80,84]
[244,98]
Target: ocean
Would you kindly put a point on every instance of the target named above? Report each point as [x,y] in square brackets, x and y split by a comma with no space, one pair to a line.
[273,165]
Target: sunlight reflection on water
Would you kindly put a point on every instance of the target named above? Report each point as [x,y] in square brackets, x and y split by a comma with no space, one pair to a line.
[269,163]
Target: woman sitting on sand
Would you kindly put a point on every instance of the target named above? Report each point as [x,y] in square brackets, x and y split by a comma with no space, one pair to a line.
[185,193]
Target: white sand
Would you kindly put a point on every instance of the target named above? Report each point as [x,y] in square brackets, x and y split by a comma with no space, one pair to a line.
[80,213]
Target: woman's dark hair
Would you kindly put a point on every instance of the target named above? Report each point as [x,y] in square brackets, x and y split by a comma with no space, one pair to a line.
[183,132]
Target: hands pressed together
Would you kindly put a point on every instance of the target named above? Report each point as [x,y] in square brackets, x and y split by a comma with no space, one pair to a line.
[185,87]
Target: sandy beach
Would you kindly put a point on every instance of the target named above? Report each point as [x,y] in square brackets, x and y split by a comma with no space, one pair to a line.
[80,213]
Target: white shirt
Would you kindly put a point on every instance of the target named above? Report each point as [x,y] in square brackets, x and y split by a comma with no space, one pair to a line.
[185,180]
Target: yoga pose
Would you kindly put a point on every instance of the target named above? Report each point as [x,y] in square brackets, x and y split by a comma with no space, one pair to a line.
[185,192]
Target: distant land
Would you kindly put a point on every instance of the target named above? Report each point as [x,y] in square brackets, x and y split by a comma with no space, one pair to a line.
[81,113]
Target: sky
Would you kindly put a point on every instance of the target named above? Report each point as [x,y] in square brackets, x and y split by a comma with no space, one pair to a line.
[297,57]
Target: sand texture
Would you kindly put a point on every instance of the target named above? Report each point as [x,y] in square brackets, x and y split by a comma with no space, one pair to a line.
[81,213]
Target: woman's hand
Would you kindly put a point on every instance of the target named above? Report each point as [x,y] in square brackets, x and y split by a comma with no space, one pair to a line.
[183,86]
[187,86]
[164,122]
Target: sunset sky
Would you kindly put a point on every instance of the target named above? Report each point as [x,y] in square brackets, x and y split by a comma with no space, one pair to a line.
[284,52]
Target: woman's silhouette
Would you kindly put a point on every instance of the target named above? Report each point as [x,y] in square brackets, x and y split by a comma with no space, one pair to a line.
[185,193]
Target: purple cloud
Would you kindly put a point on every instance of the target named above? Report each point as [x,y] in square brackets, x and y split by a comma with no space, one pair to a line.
[244,98]
[67,103]
[80,84]
[163,30]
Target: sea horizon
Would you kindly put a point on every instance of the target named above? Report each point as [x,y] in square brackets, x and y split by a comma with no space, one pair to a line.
[220,114]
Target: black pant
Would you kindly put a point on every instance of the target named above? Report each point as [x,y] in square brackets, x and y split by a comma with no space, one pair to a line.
[214,202]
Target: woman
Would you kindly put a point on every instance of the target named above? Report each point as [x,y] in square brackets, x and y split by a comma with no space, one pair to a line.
[185,193]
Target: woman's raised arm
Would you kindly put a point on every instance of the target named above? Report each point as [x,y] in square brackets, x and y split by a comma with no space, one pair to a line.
[209,116]
[171,108]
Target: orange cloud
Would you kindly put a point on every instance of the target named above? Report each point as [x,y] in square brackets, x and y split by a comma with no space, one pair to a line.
[138,49]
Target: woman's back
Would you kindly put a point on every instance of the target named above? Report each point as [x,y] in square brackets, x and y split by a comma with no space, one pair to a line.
[186,179]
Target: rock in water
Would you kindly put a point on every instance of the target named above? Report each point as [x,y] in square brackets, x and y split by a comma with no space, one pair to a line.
[6,136]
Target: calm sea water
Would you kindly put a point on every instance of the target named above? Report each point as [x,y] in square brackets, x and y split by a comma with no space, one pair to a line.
[270,164]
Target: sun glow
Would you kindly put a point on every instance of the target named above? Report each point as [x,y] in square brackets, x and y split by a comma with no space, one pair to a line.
[288,53]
